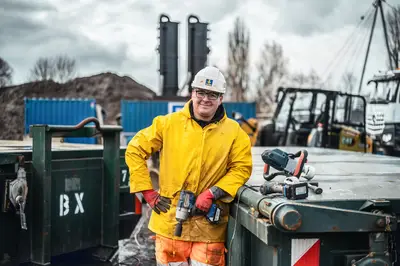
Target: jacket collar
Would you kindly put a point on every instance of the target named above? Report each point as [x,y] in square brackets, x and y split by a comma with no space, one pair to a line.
[219,116]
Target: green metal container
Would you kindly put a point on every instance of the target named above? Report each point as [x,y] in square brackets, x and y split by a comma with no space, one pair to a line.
[77,198]
[352,223]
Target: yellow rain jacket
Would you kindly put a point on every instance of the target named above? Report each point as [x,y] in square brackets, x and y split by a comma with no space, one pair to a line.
[191,158]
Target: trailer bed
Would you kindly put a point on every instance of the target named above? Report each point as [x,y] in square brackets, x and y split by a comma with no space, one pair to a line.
[342,174]
[353,222]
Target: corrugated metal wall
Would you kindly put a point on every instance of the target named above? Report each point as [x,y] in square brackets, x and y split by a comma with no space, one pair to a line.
[59,112]
[248,110]
[137,115]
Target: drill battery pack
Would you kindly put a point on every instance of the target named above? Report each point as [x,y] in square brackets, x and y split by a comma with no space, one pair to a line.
[214,214]
[295,191]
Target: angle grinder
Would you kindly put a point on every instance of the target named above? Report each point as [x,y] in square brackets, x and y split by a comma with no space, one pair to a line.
[287,164]
[292,166]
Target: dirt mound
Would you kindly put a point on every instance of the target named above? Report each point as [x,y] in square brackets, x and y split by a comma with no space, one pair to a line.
[107,88]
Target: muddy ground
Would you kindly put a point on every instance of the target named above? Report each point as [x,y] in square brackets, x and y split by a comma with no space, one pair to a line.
[139,248]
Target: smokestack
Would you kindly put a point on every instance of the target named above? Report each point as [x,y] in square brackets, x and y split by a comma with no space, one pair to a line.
[197,46]
[168,50]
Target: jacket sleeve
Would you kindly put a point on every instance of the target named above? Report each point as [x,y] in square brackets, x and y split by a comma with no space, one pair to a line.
[240,166]
[142,145]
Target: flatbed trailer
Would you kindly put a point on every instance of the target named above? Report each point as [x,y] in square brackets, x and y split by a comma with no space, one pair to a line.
[353,222]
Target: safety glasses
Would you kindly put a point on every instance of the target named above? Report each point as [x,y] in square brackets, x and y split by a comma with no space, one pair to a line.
[201,94]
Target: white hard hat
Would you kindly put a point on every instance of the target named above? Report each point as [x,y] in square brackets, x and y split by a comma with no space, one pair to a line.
[210,78]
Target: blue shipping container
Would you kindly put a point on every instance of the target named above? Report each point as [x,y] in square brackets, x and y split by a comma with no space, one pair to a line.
[137,115]
[59,112]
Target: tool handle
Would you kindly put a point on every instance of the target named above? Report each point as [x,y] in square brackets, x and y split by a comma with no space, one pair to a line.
[317,190]
[178,229]
[269,188]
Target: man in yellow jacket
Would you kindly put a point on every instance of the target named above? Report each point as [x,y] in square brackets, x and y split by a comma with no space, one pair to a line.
[203,151]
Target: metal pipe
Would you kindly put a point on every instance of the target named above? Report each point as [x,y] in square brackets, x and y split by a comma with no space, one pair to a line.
[282,216]
[367,52]
[385,34]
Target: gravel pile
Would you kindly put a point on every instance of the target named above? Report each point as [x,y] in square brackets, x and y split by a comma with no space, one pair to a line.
[107,88]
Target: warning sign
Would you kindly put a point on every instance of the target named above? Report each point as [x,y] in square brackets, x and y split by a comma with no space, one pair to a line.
[305,252]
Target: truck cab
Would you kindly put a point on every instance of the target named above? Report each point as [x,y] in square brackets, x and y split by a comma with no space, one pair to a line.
[383,111]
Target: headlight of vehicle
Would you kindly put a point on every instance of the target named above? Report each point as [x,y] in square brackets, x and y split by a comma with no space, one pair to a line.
[387,137]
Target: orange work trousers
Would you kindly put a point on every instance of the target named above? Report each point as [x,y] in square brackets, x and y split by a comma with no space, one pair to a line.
[183,253]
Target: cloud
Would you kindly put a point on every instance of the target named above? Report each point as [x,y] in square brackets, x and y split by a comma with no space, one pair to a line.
[311,17]
[121,36]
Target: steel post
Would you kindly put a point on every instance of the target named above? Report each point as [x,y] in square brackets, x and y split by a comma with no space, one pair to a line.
[111,188]
[41,189]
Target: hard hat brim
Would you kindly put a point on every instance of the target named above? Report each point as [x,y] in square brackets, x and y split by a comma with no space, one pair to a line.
[207,89]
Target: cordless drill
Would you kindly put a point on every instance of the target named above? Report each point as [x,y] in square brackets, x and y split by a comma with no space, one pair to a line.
[291,188]
[186,208]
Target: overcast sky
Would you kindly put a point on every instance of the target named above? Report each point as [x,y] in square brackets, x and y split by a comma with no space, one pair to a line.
[121,36]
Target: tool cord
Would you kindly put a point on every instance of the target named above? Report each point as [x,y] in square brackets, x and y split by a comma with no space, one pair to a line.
[236,221]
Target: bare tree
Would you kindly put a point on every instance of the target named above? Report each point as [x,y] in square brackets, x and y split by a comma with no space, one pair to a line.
[300,79]
[238,61]
[6,73]
[297,80]
[65,68]
[393,21]
[60,68]
[272,66]
[348,82]
[43,69]
[314,80]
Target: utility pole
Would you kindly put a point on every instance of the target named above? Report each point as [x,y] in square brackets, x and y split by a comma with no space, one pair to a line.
[378,5]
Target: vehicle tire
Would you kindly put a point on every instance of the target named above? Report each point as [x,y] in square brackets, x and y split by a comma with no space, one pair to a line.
[266,136]
[388,151]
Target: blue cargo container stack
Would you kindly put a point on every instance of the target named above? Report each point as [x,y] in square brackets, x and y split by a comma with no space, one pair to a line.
[56,111]
[136,115]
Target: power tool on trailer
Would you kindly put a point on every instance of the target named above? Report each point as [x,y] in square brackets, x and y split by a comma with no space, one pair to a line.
[186,208]
[293,166]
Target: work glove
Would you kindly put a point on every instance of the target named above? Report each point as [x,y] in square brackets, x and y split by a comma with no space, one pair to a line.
[206,198]
[157,203]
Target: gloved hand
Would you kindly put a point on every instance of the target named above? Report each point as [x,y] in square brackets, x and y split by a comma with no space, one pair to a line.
[157,203]
[204,200]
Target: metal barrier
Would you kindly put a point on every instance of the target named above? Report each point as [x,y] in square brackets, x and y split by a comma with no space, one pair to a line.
[73,200]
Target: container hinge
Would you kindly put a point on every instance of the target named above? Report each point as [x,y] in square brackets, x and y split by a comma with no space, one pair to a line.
[392,248]
[17,192]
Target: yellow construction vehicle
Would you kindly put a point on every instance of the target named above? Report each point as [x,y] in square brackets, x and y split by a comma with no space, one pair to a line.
[318,118]
[250,126]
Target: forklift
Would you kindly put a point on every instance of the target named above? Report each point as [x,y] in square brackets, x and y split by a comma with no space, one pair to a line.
[318,118]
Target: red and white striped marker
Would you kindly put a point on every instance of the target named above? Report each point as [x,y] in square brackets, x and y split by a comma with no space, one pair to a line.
[305,252]
[138,203]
